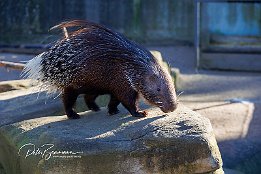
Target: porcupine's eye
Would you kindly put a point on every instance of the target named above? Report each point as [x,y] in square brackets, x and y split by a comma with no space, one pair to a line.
[158,89]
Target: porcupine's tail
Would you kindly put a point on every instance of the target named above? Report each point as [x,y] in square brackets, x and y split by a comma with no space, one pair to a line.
[34,70]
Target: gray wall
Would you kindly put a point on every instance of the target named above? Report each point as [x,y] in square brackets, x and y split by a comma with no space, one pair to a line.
[154,21]
[238,19]
[150,21]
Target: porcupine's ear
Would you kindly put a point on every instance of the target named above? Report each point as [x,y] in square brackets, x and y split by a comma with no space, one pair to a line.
[153,80]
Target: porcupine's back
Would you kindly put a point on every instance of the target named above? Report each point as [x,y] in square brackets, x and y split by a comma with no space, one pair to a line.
[92,53]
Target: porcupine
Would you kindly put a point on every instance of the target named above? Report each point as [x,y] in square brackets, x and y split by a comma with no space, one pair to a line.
[95,60]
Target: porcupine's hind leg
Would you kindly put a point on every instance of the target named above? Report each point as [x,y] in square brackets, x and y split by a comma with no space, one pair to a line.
[112,106]
[90,102]
[69,97]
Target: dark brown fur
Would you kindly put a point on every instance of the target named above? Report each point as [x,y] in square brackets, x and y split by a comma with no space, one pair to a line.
[95,60]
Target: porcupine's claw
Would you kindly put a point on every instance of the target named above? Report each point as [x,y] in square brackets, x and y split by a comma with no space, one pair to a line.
[140,114]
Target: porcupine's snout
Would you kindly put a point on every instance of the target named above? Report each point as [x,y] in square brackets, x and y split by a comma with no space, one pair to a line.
[169,99]
[169,106]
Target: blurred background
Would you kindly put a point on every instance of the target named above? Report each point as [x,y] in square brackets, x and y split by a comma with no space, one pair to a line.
[214,46]
[226,33]
[146,21]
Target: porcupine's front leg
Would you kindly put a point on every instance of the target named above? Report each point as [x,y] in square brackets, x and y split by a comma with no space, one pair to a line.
[90,102]
[113,104]
[129,100]
[69,97]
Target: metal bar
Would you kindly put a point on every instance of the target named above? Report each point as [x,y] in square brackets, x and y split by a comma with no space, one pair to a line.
[197,32]
[17,66]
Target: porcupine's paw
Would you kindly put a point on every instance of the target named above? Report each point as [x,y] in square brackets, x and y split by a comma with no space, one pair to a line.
[73,115]
[140,114]
[94,107]
[113,111]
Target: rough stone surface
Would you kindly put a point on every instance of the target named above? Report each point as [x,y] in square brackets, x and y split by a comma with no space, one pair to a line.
[18,105]
[178,142]
[22,104]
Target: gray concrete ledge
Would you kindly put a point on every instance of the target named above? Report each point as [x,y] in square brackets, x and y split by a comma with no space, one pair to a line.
[230,61]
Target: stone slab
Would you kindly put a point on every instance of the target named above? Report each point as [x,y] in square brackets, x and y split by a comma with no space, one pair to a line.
[177,142]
